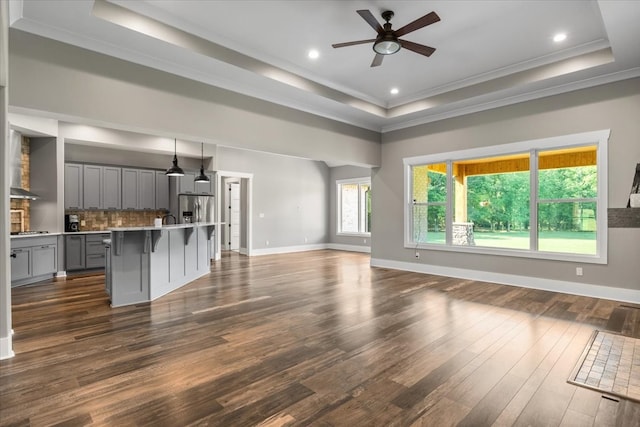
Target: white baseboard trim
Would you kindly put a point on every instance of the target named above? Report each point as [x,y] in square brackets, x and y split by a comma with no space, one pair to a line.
[349,248]
[6,348]
[61,274]
[288,249]
[561,286]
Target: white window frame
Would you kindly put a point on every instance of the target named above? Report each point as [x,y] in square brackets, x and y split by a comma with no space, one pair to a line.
[598,138]
[361,209]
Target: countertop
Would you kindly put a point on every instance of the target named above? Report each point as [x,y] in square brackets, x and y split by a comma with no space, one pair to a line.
[165,227]
[28,236]
[87,232]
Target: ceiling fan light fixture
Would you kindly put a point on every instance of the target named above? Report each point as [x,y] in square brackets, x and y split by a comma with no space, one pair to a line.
[175,170]
[386,45]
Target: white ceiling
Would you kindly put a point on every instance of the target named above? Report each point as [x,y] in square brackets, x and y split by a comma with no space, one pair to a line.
[489,53]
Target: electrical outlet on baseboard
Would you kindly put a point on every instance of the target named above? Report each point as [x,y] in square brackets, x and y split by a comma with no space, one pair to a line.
[578,271]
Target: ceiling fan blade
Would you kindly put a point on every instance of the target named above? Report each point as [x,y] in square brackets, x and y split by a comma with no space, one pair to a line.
[371,20]
[377,60]
[427,19]
[353,43]
[417,48]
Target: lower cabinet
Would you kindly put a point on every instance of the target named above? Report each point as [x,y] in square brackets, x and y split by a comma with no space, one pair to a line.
[74,250]
[94,250]
[20,264]
[33,259]
[84,251]
[44,259]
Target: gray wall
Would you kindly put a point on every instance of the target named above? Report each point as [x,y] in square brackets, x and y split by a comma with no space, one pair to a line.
[614,106]
[77,85]
[292,194]
[337,173]
[44,182]
[120,157]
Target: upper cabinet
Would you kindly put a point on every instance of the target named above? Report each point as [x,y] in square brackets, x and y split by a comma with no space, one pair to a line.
[92,193]
[101,187]
[112,187]
[147,190]
[162,191]
[138,189]
[92,187]
[130,184]
[187,184]
[73,186]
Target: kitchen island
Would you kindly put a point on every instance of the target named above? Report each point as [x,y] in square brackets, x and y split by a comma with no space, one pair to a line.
[144,263]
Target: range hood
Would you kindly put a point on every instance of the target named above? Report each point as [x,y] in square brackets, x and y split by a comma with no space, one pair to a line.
[15,146]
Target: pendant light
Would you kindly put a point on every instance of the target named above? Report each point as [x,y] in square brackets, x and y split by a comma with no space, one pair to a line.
[202,177]
[175,170]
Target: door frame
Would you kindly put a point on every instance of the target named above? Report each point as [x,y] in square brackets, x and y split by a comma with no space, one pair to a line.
[247,226]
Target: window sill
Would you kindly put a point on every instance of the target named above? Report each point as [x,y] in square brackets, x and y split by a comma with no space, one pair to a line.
[519,253]
[353,234]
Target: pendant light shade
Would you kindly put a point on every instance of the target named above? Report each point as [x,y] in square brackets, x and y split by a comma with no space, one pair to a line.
[202,177]
[175,170]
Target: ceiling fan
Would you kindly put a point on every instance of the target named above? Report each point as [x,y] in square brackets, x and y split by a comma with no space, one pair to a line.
[388,41]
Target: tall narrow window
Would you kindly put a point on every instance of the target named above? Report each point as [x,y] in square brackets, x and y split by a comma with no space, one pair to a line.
[429,203]
[354,206]
[568,200]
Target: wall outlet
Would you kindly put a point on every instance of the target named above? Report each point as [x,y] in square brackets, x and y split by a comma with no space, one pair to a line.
[578,271]
[417,254]
[305,240]
[365,241]
[261,215]
[83,222]
[266,242]
[119,222]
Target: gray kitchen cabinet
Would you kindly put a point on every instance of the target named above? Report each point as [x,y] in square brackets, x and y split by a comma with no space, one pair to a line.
[33,259]
[112,187]
[187,184]
[74,252]
[73,186]
[92,187]
[44,259]
[130,184]
[162,191]
[147,189]
[94,250]
[20,264]
[138,189]
[205,187]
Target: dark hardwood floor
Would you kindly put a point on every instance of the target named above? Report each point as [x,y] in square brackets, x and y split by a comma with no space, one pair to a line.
[316,338]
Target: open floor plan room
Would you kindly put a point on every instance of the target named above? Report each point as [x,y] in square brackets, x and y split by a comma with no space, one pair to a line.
[313,338]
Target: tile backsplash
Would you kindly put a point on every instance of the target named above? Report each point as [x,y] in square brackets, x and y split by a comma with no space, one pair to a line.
[103,220]
[21,208]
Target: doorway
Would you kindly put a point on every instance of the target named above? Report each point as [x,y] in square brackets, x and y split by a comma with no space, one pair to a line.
[233,217]
[234,212]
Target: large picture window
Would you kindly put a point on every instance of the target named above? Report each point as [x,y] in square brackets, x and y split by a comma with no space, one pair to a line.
[542,199]
[354,206]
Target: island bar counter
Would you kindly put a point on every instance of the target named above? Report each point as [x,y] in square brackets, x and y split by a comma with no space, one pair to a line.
[144,263]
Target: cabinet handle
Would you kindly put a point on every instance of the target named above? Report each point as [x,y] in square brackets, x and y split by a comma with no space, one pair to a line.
[13,255]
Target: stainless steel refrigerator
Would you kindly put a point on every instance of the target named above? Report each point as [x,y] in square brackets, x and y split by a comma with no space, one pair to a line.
[195,208]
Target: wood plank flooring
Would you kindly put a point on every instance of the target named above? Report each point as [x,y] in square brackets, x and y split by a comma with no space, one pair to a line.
[316,338]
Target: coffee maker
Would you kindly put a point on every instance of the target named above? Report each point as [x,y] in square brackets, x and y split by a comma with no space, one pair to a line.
[71,223]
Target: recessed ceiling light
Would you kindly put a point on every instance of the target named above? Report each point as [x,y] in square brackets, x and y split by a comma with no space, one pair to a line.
[394,91]
[559,37]
[313,54]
